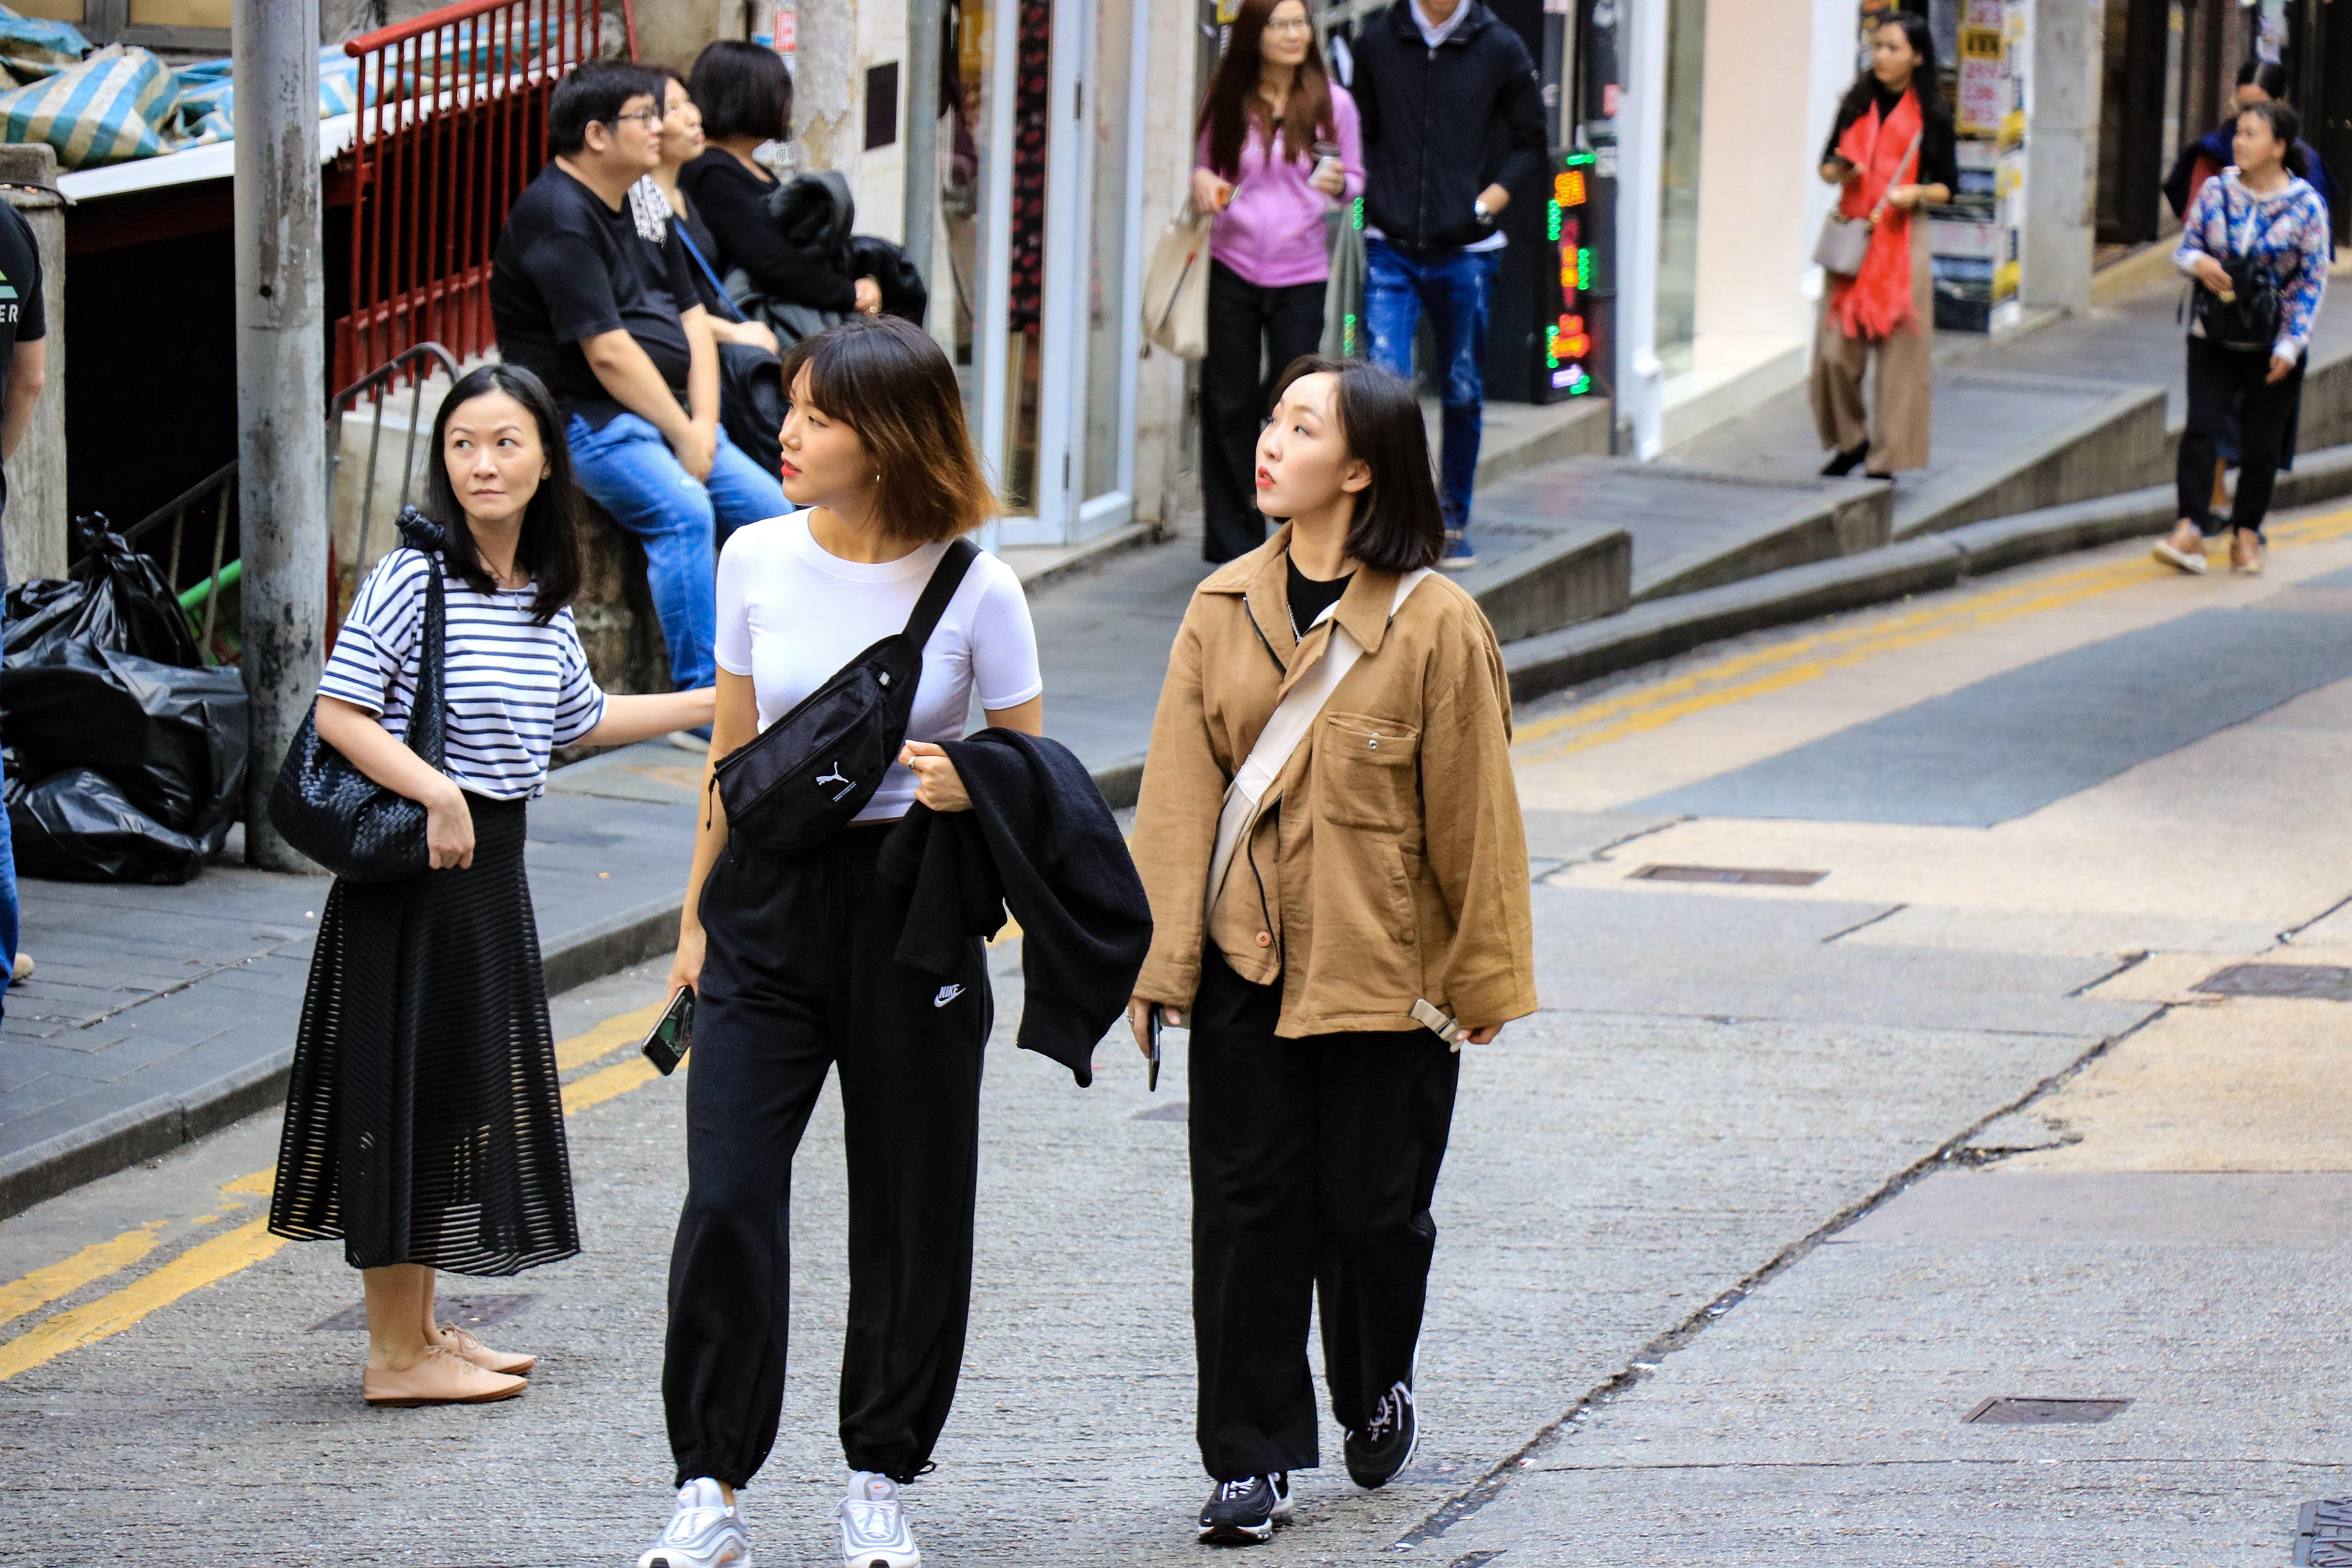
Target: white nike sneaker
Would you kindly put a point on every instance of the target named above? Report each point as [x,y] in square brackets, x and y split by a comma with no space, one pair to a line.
[874,1532]
[707,1531]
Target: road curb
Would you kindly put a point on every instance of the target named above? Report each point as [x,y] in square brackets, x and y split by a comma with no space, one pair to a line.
[1663,628]
[153,1128]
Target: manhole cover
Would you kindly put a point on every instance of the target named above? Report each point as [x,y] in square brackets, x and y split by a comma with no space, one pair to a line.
[466,1311]
[2312,982]
[2322,1535]
[2010,1411]
[1754,875]
[1174,1110]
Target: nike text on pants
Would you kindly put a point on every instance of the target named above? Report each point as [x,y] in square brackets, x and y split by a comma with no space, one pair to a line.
[799,976]
[1314,1161]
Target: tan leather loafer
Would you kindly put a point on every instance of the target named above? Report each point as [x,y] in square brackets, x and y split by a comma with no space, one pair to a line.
[443,1378]
[2245,554]
[473,1350]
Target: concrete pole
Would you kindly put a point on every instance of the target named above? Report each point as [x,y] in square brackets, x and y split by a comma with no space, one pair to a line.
[2066,40]
[281,390]
[922,135]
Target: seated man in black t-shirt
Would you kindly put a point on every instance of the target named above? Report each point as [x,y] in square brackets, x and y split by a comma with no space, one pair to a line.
[592,303]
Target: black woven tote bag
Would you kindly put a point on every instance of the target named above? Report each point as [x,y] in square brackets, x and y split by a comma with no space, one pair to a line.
[812,771]
[335,814]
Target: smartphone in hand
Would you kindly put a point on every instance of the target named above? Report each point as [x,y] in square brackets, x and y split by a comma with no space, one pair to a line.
[673,1034]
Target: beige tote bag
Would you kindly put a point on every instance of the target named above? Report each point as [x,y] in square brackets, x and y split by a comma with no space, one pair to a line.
[1176,287]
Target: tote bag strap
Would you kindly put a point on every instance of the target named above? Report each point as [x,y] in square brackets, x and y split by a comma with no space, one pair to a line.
[428,721]
[1910,152]
[1294,716]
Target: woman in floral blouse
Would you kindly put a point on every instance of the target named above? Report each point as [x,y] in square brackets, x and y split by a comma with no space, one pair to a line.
[2264,216]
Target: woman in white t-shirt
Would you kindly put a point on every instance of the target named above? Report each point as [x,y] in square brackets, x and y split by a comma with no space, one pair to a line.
[794,960]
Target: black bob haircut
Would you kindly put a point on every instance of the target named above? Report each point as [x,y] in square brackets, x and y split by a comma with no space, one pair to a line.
[1398,524]
[549,550]
[743,90]
[596,94]
[2268,75]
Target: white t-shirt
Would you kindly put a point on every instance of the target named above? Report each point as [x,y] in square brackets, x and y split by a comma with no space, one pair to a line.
[790,615]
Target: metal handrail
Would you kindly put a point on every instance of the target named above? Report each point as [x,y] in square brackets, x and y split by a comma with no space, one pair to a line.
[222,481]
[447,15]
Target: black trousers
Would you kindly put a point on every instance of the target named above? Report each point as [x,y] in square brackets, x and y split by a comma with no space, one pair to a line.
[2220,380]
[1254,334]
[1314,1161]
[799,976]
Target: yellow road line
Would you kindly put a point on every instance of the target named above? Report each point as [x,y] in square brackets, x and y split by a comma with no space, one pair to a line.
[200,1265]
[248,1244]
[61,1280]
[625,1029]
[1661,702]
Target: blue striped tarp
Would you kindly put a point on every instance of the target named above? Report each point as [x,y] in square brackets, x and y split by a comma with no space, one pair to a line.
[111,107]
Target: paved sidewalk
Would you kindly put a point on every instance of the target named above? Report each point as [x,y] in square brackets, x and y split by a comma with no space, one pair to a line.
[160,1014]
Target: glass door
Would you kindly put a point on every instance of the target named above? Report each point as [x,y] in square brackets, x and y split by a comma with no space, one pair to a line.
[1072,333]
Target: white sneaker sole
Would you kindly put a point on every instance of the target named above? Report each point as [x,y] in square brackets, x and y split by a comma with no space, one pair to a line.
[657,1558]
[881,1557]
[2180,560]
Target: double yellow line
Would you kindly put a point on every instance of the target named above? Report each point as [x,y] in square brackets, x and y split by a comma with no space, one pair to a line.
[1739,677]
[219,1257]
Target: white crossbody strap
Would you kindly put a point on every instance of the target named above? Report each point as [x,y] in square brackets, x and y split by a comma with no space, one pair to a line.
[1293,717]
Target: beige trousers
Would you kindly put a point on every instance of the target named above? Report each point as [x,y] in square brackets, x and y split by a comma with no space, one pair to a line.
[1902,382]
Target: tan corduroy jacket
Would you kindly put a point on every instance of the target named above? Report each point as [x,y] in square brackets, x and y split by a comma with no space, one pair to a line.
[1389,864]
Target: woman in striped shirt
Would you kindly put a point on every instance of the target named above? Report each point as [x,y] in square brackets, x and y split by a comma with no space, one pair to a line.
[424,1124]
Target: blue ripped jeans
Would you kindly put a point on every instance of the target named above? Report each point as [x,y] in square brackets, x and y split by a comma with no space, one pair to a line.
[1453,286]
[630,471]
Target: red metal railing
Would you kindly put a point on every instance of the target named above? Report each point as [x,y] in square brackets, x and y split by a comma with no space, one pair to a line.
[452,126]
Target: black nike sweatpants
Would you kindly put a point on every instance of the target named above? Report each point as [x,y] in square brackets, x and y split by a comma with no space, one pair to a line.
[1314,1163]
[799,976]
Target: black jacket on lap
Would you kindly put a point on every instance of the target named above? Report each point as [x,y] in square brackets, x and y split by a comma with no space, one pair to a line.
[1039,839]
[1442,124]
[732,200]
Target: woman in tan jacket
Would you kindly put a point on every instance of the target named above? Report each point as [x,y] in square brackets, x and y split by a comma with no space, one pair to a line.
[1370,914]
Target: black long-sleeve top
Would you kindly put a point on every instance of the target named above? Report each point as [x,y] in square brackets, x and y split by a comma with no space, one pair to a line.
[1939,162]
[732,201]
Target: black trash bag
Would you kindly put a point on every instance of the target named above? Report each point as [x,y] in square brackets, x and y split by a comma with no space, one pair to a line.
[171,740]
[74,827]
[117,599]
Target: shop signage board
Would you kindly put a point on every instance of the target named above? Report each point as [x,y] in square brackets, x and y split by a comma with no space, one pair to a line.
[1568,342]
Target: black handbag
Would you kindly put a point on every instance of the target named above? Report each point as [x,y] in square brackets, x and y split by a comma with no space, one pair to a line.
[2247,319]
[335,814]
[812,771]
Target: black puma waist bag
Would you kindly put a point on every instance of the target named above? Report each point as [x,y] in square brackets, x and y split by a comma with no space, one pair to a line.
[813,771]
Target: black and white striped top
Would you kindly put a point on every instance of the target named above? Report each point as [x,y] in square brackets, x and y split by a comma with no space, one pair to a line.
[514,690]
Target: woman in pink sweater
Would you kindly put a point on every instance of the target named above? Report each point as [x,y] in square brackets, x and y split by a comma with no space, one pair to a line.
[1279,145]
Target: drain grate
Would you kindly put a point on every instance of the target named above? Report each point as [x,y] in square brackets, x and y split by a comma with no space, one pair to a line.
[2015,1412]
[2322,1535]
[2310,982]
[1755,876]
[1174,1110]
[466,1311]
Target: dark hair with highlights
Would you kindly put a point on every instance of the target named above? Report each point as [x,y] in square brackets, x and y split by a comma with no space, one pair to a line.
[1933,110]
[2285,125]
[1232,104]
[743,90]
[550,547]
[596,94]
[889,380]
[1398,525]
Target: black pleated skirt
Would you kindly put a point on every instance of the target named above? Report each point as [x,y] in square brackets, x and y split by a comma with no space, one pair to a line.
[424,1123]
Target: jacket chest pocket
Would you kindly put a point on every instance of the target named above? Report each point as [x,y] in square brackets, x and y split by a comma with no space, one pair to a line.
[1367,773]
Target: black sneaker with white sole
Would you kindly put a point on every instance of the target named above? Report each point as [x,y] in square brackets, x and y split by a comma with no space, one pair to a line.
[1385,1445]
[1243,1512]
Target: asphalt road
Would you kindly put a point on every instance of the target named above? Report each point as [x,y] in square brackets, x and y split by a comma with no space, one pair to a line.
[1787,1178]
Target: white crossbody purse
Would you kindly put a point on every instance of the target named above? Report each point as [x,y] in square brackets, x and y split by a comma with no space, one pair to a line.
[1293,718]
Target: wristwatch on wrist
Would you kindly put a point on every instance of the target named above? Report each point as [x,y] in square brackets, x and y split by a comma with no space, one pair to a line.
[1480,209]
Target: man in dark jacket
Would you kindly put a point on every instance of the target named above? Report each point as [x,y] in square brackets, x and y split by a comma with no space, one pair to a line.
[1452,119]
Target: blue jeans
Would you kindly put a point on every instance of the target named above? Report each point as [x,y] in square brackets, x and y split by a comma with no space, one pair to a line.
[630,471]
[1453,286]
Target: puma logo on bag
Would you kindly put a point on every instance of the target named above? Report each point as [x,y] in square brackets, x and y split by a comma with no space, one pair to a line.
[836,776]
